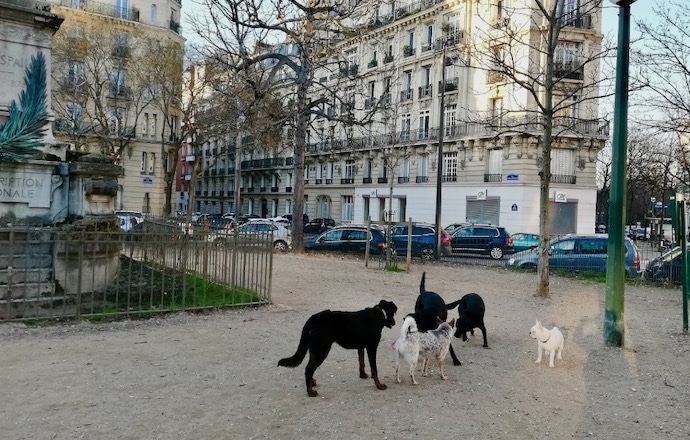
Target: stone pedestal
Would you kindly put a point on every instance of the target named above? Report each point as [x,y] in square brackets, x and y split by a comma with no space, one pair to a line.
[33,192]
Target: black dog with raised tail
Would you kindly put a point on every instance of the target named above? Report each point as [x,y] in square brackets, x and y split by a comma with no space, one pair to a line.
[351,330]
[428,308]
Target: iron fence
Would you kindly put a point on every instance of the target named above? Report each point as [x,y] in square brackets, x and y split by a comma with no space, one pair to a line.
[156,267]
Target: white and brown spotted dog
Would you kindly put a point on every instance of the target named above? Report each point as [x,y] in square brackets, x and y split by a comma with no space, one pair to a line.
[413,344]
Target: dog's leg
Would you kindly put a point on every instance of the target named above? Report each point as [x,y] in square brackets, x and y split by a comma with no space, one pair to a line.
[483,329]
[425,366]
[371,352]
[552,354]
[539,350]
[362,374]
[439,360]
[316,358]
[413,366]
[397,367]
[456,361]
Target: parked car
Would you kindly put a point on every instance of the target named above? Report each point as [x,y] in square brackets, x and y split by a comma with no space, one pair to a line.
[348,238]
[454,226]
[282,237]
[129,219]
[579,253]
[305,218]
[318,225]
[423,240]
[493,241]
[523,241]
[638,234]
[665,267]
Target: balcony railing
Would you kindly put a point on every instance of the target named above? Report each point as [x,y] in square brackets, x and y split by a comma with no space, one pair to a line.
[403,179]
[578,21]
[109,10]
[493,177]
[425,91]
[493,77]
[564,126]
[422,179]
[366,180]
[347,181]
[382,180]
[450,178]
[569,71]
[562,178]
[406,95]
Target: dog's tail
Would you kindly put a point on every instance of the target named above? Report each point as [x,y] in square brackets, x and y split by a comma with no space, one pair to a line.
[422,289]
[454,304]
[407,324]
[302,349]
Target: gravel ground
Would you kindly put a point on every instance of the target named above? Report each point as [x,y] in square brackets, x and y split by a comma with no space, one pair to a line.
[214,376]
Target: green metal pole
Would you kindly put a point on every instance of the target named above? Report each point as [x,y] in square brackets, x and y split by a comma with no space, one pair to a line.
[681,232]
[614,324]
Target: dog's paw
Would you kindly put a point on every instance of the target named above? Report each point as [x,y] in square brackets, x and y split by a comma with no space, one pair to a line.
[444,377]
[312,393]
[363,375]
[381,386]
[538,361]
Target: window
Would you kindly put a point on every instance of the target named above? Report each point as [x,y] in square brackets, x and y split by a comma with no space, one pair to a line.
[153,13]
[450,167]
[567,56]
[73,113]
[404,171]
[410,39]
[496,110]
[422,166]
[152,163]
[573,106]
[449,119]
[369,168]
[405,126]
[144,161]
[424,118]
[428,38]
[145,125]
[494,165]
[121,8]
[349,169]
[117,120]
[75,73]
[348,211]
[117,82]
[562,165]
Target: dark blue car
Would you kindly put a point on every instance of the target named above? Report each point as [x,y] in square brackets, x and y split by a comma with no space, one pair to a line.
[665,267]
[422,241]
[348,238]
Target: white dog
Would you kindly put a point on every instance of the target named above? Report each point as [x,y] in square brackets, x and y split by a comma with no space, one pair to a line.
[407,347]
[550,341]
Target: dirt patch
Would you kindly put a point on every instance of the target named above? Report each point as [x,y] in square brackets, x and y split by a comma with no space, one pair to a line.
[214,376]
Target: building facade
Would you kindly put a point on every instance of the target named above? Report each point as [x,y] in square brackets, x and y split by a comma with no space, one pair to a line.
[428,83]
[105,98]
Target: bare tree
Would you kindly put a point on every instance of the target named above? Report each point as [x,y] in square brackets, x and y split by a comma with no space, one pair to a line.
[292,42]
[526,46]
[100,90]
[163,75]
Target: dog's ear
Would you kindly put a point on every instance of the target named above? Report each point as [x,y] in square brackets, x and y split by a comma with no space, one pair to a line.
[538,323]
[452,323]
[439,320]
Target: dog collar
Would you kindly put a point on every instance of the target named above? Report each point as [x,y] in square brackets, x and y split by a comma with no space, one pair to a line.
[547,339]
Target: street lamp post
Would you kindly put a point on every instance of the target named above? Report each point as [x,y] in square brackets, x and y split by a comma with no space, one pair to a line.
[614,325]
[439,158]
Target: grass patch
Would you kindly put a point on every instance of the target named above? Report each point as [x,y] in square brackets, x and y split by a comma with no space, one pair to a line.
[142,290]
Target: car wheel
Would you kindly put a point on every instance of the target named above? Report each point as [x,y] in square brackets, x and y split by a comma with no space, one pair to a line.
[427,253]
[496,253]
[280,245]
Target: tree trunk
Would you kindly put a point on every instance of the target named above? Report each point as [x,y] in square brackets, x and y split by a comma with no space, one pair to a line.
[300,141]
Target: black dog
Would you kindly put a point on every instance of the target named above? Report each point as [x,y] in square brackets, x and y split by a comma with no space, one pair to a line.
[360,330]
[427,309]
[471,309]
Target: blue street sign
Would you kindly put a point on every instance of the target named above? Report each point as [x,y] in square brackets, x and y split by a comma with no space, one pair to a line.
[512,177]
